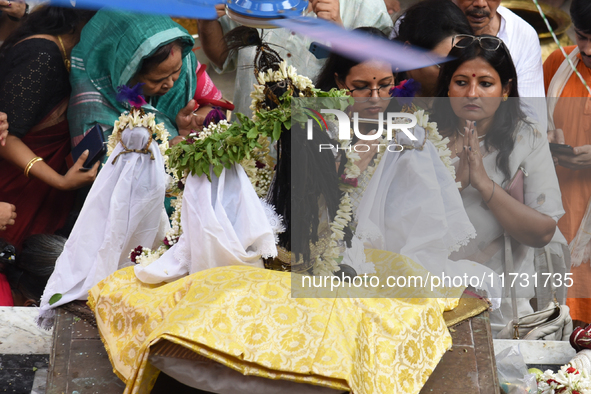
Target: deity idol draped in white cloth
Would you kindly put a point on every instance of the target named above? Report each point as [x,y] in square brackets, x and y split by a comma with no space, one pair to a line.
[125,208]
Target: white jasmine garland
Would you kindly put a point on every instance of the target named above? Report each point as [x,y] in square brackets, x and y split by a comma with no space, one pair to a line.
[260,178]
[211,129]
[130,120]
[326,262]
[285,72]
[440,143]
[148,256]
[567,380]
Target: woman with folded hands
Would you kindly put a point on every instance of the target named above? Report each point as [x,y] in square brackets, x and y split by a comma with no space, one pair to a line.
[503,164]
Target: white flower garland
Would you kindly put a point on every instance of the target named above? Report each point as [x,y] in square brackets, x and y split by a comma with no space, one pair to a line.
[259,168]
[440,143]
[568,380]
[326,262]
[134,118]
[145,256]
[211,129]
[285,72]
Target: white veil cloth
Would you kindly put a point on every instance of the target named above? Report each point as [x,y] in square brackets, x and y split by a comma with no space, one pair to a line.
[124,209]
[224,223]
[412,206]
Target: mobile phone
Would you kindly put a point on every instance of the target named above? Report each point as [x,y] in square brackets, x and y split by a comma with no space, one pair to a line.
[319,51]
[562,149]
[94,141]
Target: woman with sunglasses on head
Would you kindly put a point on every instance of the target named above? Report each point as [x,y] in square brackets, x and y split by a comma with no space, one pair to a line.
[491,140]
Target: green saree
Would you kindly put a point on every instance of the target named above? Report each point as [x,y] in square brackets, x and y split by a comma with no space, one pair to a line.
[111,49]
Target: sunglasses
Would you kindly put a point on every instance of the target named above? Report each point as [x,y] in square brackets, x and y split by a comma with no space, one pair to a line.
[486,43]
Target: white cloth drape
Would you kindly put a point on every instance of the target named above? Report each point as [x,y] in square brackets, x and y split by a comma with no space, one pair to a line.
[124,209]
[224,223]
[413,205]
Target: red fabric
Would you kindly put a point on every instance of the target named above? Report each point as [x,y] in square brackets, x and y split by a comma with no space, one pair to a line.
[5,293]
[40,208]
[207,93]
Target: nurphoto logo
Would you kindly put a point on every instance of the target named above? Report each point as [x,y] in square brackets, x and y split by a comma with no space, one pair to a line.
[393,121]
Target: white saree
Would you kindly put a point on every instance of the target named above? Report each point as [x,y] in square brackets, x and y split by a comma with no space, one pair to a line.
[541,192]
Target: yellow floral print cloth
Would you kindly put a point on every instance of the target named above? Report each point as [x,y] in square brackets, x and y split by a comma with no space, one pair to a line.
[245,319]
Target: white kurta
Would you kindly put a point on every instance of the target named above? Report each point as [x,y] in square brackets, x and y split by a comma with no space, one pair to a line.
[526,52]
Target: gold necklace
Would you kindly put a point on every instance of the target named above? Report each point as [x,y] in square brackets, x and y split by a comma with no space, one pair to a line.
[66,60]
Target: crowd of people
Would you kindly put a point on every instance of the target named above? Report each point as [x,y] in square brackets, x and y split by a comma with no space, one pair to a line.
[494,101]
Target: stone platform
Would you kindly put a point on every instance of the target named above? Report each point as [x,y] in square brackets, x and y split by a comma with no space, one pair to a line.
[79,362]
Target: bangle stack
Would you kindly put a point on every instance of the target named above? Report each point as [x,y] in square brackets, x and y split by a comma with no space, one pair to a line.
[31,164]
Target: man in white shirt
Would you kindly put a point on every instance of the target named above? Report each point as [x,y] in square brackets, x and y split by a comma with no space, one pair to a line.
[489,17]
[291,47]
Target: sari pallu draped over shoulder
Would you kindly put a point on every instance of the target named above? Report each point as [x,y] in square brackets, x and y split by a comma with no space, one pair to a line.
[111,50]
[41,208]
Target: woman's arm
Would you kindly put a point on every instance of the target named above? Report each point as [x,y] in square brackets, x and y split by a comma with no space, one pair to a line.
[19,154]
[525,224]
[212,38]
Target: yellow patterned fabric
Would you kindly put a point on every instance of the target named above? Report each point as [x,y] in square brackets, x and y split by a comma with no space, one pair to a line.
[245,319]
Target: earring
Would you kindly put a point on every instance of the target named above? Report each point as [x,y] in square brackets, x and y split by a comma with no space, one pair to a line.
[448,93]
[506,97]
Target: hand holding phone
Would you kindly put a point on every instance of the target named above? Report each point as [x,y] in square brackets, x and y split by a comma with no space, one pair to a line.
[562,149]
[94,142]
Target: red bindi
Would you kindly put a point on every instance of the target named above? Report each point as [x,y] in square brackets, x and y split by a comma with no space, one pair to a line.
[473,75]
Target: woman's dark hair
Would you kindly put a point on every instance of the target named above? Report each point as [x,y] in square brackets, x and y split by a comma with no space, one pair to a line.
[341,65]
[429,22]
[29,272]
[580,13]
[508,115]
[48,20]
[160,55]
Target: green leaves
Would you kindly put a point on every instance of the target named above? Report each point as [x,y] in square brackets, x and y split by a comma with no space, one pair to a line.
[228,144]
[55,298]
[277,129]
[225,146]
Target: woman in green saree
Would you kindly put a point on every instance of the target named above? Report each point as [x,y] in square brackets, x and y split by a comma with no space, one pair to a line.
[119,48]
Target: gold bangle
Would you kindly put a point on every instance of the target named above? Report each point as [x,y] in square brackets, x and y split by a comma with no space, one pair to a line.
[31,164]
